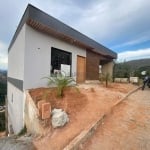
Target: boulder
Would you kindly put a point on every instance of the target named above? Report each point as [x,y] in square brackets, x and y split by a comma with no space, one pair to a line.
[59,118]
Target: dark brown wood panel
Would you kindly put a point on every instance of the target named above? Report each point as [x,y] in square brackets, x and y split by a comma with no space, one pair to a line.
[92,65]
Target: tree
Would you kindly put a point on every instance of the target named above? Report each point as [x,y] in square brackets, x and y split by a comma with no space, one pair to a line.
[121,70]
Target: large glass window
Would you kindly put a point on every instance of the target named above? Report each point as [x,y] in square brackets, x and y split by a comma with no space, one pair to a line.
[60,59]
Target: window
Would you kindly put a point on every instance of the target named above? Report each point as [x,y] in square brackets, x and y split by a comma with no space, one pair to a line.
[59,59]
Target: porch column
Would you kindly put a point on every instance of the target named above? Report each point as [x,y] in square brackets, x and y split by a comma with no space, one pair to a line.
[108,68]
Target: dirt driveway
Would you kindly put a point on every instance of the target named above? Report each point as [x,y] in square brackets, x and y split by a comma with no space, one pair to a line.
[126,128]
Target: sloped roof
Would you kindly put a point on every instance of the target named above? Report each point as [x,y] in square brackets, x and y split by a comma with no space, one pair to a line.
[50,25]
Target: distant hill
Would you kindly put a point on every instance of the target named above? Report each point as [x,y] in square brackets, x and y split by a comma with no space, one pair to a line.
[132,68]
[136,64]
[3,71]
[3,86]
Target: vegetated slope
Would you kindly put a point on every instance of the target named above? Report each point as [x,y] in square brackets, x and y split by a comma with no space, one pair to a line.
[3,86]
[135,64]
[132,68]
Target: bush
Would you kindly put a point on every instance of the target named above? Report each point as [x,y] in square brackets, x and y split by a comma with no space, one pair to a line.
[60,81]
[22,131]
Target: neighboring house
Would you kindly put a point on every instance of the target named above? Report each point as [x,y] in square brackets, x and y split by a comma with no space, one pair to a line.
[43,45]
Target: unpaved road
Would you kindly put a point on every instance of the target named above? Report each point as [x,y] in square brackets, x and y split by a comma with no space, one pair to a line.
[127,127]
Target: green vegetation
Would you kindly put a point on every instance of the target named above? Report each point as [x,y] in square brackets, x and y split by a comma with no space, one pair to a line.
[122,70]
[138,71]
[2,121]
[132,68]
[60,81]
[3,92]
[135,64]
[3,86]
[22,131]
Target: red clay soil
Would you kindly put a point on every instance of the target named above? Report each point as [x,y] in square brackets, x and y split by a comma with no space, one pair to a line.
[84,107]
[126,128]
[2,134]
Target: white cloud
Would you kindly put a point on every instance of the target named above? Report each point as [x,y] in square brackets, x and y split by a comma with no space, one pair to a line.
[107,21]
[3,55]
[110,21]
[116,23]
[131,55]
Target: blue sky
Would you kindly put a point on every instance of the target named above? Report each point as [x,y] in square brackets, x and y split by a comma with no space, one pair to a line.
[121,25]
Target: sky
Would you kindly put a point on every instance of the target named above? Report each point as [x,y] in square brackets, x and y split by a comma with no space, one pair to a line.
[121,25]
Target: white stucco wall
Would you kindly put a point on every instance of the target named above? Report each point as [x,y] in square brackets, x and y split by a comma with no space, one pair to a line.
[15,108]
[108,68]
[16,70]
[38,57]
[29,60]
[16,57]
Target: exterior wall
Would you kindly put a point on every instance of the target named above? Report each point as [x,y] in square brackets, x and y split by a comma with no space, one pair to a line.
[108,68]
[16,57]
[38,57]
[16,71]
[32,121]
[15,108]
[92,65]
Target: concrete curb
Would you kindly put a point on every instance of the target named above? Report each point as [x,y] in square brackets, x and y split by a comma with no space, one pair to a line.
[128,94]
[85,134]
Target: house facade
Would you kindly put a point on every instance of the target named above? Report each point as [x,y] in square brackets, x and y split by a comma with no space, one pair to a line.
[43,45]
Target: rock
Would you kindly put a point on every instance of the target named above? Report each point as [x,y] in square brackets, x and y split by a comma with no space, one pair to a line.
[54,111]
[59,118]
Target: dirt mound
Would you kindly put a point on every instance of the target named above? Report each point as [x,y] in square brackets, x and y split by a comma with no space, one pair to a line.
[72,101]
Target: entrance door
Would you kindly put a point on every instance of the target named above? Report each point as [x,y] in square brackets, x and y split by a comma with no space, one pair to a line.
[81,69]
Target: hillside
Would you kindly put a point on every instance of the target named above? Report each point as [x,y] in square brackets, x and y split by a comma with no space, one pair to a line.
[135,64]
[3,86]
[132,68]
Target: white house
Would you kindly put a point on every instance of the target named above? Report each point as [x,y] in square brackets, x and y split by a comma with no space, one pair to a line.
[43,45]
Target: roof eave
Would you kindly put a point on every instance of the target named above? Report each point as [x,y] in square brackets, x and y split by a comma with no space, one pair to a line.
[35,14]
[21,23]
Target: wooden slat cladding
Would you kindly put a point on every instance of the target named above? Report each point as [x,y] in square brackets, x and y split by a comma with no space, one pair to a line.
[47,30]
[92,65]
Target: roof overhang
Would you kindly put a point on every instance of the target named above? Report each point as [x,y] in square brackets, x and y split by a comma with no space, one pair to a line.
[42,22]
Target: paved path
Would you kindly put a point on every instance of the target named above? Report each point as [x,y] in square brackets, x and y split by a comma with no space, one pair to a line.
[126,128]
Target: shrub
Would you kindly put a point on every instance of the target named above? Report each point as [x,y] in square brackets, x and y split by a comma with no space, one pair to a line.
[22,131]
[60,81]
